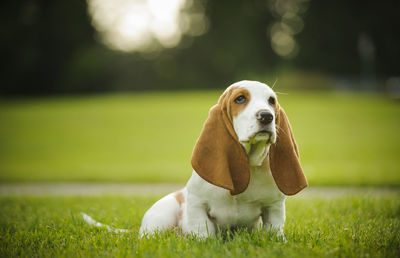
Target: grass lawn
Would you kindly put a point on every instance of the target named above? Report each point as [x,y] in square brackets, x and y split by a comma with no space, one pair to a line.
[357,226]
[344,138]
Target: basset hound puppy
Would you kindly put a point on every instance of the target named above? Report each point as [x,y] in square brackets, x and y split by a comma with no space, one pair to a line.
[245,163]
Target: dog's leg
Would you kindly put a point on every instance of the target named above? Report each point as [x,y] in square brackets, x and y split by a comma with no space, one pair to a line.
[274,218]
[196,220]
[164,214]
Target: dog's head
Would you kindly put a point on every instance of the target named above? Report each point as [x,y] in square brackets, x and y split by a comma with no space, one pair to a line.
[247,119]
[254,111]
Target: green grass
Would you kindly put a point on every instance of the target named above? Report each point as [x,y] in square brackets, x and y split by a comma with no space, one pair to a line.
[344,138]
[51,226]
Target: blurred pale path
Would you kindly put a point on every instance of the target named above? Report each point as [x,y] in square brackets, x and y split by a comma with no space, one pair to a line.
[344,138]
[87,189]
[99,189]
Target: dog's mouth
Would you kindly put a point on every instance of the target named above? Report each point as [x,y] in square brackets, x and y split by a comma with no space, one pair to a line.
[263,135]
[259,138]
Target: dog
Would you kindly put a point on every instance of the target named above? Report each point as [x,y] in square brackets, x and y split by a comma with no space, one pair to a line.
[246,162]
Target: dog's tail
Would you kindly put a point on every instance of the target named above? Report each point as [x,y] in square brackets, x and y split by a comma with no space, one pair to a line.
[94,223]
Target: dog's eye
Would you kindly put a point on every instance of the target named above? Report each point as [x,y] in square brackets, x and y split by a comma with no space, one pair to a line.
[241,99]
[271,100]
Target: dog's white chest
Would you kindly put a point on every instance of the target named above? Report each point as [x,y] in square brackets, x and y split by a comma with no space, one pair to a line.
[244,209]
[234,212]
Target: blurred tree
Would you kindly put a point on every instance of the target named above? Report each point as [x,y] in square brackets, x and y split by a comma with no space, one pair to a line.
[50,47]
[39,39]
[331,36]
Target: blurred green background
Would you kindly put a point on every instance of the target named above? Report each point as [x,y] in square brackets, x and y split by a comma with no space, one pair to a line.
[344,138]
[118,90]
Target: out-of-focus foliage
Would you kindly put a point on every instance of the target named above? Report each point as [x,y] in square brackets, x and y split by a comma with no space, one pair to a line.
[51,47]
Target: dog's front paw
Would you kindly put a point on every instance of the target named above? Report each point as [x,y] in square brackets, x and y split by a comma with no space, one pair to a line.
[276,232]
[280,236]
[201,231]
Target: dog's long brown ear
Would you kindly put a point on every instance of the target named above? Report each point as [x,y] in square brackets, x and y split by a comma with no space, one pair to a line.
[284,158]
[218,157]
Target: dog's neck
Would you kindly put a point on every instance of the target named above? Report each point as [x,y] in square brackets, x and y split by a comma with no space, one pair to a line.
[257,152]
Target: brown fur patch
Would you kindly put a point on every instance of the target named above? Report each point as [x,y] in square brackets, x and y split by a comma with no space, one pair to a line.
[284,158]
[218,157]
[179,197]
[237,108]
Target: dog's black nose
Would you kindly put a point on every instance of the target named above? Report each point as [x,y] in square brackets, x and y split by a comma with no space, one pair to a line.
[264,117]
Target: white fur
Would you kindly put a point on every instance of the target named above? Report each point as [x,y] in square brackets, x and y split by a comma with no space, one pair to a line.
[164,214]
[95,223]
[207,207]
